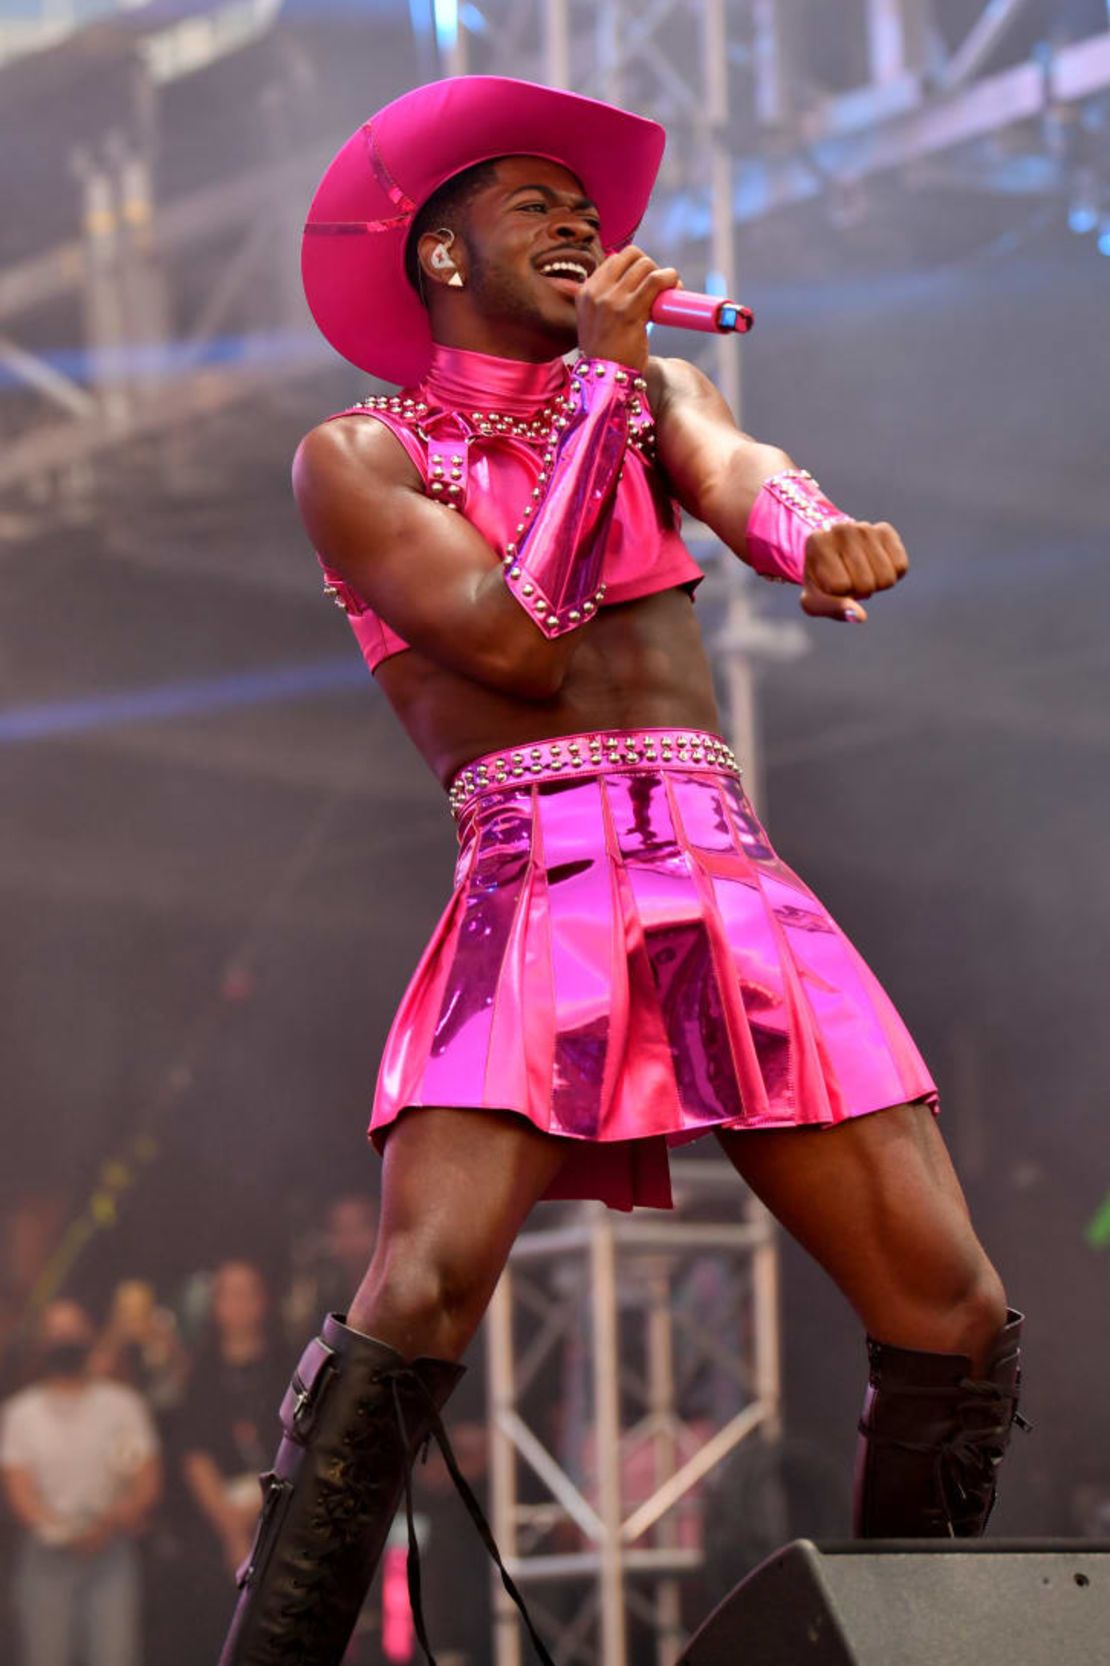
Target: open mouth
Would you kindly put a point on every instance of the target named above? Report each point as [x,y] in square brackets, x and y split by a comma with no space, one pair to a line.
[566,273]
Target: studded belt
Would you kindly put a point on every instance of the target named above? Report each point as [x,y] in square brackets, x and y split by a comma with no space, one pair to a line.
[599,750]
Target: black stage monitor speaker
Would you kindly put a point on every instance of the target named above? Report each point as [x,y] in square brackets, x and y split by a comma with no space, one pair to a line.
[916,1602]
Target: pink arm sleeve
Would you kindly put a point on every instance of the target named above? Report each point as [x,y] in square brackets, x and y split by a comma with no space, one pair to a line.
[553,561]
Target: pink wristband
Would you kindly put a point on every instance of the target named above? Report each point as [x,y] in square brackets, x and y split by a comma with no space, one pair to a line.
[787,509]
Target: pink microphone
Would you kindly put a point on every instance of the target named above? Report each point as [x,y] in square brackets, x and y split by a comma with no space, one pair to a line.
[684,309]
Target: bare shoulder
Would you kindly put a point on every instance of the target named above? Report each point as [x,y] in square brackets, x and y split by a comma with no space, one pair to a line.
[673,381]
[349,449]
[355,487]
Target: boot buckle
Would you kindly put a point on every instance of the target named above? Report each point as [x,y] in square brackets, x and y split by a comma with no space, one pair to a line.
[306,1390]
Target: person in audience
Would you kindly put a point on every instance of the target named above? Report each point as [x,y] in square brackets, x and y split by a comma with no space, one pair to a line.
[226,1426]
[80,1466]
[332,1262]
[140,1345]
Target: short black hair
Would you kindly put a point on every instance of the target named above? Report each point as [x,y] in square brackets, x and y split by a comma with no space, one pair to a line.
[445,205]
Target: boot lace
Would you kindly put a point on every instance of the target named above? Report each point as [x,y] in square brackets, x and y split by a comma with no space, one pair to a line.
[965,1458]
[405,1377]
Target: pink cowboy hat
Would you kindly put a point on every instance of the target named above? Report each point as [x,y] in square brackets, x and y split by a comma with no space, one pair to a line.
[353,253]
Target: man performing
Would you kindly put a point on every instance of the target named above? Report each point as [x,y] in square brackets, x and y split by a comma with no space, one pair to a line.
[624,963]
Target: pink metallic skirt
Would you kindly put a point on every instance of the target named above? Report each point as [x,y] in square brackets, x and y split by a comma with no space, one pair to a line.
[626,962]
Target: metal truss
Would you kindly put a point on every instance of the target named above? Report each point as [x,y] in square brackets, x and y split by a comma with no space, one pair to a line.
[661,1330]
[794,136]
[151,348]
[203,35]
[133,379]
[135,374]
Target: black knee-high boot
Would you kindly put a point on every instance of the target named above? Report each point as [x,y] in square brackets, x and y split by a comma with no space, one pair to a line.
[932,1438]
[353,1418]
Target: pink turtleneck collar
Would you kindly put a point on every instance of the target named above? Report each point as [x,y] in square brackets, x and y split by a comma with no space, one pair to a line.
[460,378]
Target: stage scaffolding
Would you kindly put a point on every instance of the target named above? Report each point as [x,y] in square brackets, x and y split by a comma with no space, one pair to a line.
[654,1321]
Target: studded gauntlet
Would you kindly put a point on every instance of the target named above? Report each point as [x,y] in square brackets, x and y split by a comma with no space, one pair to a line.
[553,562]
[787,509]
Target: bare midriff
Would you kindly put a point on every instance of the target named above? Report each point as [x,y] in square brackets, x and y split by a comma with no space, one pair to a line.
[639,664]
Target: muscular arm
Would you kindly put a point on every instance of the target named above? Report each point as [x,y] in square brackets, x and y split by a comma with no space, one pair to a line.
[422,566]
[716,472]
[714,469]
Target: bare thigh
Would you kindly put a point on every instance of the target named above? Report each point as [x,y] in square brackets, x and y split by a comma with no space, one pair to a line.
[876,1201]
[457,1185]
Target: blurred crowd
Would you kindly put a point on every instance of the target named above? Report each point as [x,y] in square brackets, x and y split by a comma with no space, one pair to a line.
[130,1450]
[133,1435]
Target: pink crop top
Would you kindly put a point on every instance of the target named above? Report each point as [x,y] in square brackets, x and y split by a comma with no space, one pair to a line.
[472,430]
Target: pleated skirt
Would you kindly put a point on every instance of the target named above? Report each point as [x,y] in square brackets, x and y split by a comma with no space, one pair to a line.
[626,962]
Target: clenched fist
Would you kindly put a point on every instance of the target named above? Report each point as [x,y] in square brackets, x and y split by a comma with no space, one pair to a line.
[847,561]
